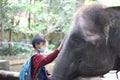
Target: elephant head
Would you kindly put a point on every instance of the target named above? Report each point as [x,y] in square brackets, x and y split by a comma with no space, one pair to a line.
[87,50]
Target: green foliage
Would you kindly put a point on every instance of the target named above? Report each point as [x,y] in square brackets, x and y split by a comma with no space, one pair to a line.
[51,47]
[16,50]
[49,16]
[89,1]
[46,16]
[54,45]
[55,15]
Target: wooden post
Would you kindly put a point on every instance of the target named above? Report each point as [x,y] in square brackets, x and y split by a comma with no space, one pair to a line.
[4,65]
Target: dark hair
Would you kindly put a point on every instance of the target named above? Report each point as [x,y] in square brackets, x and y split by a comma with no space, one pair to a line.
[37,39]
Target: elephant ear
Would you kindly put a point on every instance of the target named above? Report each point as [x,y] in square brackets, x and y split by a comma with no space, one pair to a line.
[115,34]
[114,10]
[117,8]
[114,22]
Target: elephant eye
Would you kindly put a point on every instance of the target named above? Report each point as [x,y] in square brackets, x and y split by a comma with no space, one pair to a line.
[92,36]
[90,33]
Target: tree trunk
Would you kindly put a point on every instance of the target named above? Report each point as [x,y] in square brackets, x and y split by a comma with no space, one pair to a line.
[29,16]
[29,19]
[10,40]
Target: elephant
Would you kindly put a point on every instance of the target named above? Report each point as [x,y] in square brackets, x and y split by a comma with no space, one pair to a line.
[91,47]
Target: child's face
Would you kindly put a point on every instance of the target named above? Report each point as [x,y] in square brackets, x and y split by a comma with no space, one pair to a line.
[38,46]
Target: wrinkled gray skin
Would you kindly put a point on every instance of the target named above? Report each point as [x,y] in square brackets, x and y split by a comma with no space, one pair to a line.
[88,49]
[114,34]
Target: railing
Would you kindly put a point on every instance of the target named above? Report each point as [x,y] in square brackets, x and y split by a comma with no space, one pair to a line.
[9,75]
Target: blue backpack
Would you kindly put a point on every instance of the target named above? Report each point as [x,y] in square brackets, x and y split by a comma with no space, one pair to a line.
[25,72]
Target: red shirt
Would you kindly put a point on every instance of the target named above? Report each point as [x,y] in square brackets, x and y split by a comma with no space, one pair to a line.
[39,60]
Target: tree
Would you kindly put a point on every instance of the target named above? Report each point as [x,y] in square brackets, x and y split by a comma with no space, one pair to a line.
[2,17]
[42,16]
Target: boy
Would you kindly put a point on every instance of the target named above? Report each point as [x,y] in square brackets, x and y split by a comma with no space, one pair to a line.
[38,61]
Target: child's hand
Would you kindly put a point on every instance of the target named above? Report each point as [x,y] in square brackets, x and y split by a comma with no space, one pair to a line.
[60,46]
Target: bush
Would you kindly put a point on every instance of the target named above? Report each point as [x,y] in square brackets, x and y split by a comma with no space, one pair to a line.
[16,49]
[51,47]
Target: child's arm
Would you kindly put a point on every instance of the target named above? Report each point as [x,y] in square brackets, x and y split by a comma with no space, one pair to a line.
[39,60]
[49,58]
